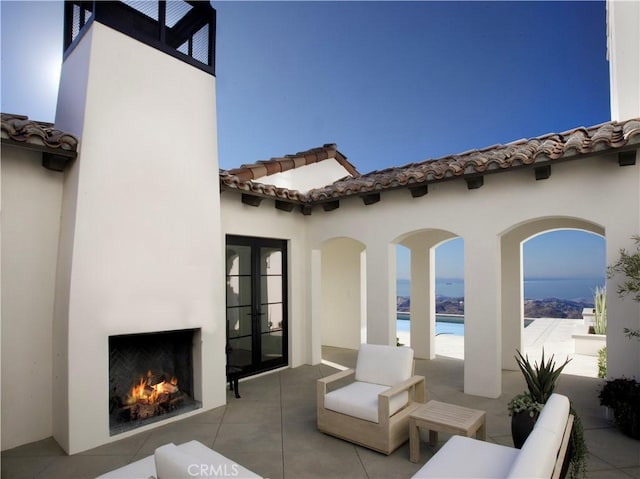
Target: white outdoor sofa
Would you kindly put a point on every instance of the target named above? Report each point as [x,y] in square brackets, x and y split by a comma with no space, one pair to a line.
[186,461]
[541,456]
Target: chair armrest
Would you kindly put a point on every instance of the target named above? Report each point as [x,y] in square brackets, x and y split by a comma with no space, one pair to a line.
[321,384]
[415,383]
[336,376]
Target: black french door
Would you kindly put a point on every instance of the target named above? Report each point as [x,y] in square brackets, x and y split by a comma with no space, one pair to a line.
[256,304]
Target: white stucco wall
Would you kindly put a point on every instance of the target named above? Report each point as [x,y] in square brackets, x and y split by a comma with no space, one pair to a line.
[480,217]
[142,219]
[31,198]
[342,317]
[623,17]
[308,177]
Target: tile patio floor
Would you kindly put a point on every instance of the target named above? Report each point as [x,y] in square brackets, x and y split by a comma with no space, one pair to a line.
[271,430]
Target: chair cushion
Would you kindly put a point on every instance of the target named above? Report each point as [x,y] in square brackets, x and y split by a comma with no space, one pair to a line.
[360,399]
[537,456]
[464,457]
[387,365]
[554,417]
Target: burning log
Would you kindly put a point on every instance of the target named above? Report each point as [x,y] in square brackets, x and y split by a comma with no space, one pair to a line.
[149,398]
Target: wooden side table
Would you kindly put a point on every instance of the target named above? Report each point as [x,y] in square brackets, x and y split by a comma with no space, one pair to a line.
[437,417]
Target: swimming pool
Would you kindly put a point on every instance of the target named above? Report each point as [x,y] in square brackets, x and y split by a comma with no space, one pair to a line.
[445,324]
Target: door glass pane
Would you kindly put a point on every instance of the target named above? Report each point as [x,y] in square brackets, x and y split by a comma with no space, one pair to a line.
[239,321]
[271,345]
[270,261]
[238,260]
[273,315]
[238,291]
[270,289]
[239,352]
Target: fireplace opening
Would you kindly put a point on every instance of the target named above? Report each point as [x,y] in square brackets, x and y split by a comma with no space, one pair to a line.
[150,378]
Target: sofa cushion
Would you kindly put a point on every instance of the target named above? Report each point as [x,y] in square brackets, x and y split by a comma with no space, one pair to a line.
[213,464]
[537,456]
[140,469]
[464,457]
[173,463]
[387,365]
[554,417]
[360,399]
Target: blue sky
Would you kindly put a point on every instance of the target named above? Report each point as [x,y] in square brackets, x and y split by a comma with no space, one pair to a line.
[389,82]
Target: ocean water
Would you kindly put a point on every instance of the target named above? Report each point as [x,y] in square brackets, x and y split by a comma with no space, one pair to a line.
[565,288]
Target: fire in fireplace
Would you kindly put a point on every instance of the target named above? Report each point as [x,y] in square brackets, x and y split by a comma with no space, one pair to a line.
[151,378]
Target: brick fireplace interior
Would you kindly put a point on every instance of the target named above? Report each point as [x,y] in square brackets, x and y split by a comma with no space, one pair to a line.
[151,378]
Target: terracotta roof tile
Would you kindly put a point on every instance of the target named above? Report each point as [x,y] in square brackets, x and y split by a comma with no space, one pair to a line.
[548,148]
[277,165]
[19,129]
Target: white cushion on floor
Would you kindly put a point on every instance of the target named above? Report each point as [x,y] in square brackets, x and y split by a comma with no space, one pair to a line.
[360,399]
[387,365]
[463,457]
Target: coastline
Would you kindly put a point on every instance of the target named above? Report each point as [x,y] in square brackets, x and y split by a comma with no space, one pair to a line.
[533,308]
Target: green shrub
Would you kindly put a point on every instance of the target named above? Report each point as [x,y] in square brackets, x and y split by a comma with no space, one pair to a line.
[602,363]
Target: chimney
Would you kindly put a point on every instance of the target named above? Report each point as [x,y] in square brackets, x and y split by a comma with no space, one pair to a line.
[140,240]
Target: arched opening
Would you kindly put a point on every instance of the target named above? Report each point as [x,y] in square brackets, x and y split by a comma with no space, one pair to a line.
[562,270]
[430,280]
[559,257]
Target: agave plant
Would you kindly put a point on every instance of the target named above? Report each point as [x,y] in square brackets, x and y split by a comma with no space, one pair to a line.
[600,311]
[541,379]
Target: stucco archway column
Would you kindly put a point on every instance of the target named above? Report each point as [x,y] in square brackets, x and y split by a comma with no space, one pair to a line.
[316,306]
[423,319]
[482,323]
[512,306]
[381,293]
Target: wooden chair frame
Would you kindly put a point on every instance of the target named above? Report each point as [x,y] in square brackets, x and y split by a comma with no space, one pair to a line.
[385,436]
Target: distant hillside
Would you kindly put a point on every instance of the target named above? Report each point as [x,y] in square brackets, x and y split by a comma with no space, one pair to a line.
[533,308]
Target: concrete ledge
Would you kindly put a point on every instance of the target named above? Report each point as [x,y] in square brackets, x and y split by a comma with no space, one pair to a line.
[589,344]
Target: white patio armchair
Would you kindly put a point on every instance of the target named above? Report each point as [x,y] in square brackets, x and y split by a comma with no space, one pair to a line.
[373,410]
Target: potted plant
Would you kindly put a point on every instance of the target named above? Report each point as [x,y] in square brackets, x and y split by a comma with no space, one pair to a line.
[541,382]
[622,395]
[524,412]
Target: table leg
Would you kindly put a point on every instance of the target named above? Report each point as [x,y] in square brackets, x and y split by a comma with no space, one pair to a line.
[414,441]
[433,437]
[481,433]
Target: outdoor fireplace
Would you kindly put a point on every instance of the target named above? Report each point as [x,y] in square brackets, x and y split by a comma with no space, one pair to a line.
[150,378]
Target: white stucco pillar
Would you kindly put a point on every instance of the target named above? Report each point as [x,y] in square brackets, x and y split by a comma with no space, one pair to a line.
[381,293]
[623,53]
[482,324]
[512,305]
[623,354]
[315,293]
[422,302]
